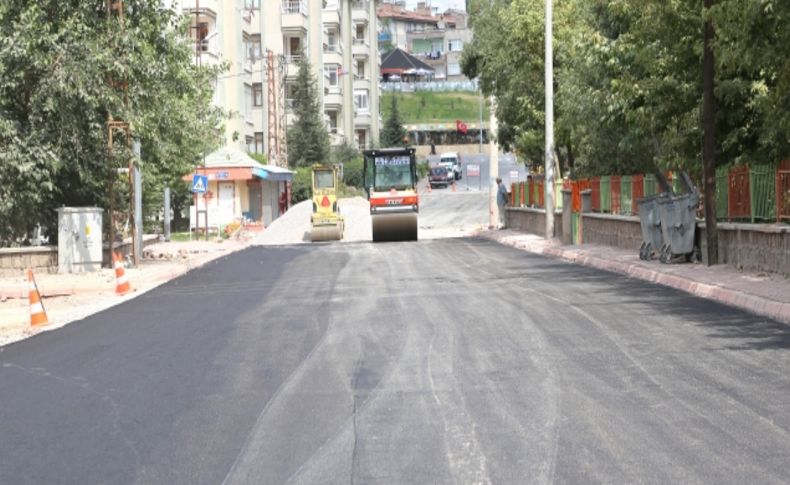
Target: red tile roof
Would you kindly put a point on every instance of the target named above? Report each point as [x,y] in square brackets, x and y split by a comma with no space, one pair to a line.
[390,11]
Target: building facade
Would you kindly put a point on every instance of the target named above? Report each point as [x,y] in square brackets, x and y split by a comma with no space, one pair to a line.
[261,41]
[434,38]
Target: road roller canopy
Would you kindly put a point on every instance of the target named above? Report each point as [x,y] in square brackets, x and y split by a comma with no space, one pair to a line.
[390,168]
[324,178]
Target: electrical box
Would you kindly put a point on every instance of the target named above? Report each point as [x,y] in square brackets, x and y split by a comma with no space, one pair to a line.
[79,239]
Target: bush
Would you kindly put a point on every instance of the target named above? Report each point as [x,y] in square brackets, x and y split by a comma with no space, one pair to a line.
[352,173]
[301,187]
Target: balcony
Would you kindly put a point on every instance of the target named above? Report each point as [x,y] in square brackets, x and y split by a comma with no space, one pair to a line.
[291,66]
[362,118]
[333,97]
[333,53]
[207,7]
[209,49]
[360,12]
[294,16]
[361,82]
[330,16]
[361,48]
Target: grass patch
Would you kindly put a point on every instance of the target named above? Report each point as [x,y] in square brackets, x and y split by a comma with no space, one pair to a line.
[435,106]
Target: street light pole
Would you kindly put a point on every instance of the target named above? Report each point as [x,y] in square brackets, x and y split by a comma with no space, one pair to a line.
[549,155]
[481,117]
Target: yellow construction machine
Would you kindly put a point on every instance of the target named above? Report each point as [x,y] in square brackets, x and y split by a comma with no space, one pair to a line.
[327,223]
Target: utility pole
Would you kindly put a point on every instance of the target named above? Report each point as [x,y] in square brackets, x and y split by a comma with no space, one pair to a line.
[481,118]
[709,142]
[549,155]
[493,168]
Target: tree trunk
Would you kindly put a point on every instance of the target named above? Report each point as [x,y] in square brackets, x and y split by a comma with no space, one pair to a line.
[709,142]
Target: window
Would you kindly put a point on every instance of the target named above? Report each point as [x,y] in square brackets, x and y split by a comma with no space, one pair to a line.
[254,47]
[250,143]
[247,102]
[360,33]
[258,142]
[257,94]
[201,32]
[453,69]
[455,45]
[252,4]
[332,116]
[360,74]
[361,100]
[331,41]
[331,72]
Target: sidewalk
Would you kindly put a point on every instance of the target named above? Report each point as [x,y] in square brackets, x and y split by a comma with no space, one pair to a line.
[69,297]
[764,294]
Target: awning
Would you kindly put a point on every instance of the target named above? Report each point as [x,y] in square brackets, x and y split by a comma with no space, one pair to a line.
[273,173]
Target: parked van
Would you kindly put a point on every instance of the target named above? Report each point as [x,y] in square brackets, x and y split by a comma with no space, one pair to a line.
[453,160]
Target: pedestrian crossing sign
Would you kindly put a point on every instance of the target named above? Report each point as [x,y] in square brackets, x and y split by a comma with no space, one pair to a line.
[199,184]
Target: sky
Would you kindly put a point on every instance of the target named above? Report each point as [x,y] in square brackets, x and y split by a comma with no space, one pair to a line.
[442,4]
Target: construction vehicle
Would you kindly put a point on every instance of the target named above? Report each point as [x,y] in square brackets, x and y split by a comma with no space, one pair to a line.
[326,221]
[390,176]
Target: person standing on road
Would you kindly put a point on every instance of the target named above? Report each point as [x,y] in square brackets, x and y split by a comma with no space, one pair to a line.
[501,200]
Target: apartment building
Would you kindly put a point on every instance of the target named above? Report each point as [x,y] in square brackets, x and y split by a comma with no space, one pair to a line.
[261,40]
[434,38]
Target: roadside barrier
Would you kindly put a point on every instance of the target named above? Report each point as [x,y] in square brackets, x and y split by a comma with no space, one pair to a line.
[38,316]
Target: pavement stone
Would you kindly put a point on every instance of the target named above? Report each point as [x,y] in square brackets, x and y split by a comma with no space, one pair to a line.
[763,294]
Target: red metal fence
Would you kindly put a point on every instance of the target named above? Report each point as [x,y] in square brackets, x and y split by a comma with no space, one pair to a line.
[739,203]
[783,191]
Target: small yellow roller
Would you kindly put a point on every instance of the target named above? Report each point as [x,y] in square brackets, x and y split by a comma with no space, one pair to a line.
[326,221]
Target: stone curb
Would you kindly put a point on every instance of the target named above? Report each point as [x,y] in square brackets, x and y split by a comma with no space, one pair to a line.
[752,303]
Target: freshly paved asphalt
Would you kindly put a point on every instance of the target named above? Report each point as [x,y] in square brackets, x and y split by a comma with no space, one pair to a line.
[440,361]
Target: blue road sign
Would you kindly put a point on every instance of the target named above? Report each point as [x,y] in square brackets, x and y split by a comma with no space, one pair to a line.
[199,184]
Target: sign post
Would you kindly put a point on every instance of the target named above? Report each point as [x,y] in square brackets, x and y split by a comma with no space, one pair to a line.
[199,188]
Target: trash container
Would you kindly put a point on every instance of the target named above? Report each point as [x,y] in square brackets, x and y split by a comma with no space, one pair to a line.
[650,221]
[678,223]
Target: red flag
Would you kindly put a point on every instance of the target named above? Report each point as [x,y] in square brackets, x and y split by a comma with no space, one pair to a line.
[461,126]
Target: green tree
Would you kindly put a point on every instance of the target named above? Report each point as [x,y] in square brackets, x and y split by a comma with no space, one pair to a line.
[308,138]
[56,59]
[393,134]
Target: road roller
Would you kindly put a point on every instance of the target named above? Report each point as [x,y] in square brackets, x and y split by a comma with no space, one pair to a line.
[326,221]
[390,176]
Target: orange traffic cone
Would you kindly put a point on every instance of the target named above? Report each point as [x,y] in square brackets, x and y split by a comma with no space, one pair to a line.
[122,285]
[37,314]
[453,186]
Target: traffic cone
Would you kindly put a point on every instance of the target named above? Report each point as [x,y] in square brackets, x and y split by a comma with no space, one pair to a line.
[453,186]
[37,314]
[122,285]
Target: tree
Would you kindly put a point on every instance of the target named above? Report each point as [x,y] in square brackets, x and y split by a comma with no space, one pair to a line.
[393,134]
[56,59]
[308,138]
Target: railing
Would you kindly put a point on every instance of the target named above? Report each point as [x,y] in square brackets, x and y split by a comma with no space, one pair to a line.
[429,86]
[783,191]
[292,59]
[294,6]
[758,193]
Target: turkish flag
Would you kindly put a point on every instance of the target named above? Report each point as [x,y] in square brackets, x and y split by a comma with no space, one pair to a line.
[461,126]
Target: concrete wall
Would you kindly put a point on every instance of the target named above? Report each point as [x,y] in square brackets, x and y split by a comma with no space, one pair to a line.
[751,247]
[13,261]
[754,247]
[423,151]
[623,232]
[532,221]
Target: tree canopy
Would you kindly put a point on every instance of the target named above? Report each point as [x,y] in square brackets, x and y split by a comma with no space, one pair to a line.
[393,134]
[628,80]
[308,139]
[56,62]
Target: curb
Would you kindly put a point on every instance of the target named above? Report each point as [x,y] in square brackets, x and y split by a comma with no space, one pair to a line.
[752,303]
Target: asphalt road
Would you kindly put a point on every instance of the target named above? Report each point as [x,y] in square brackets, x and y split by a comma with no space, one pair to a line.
[441,361]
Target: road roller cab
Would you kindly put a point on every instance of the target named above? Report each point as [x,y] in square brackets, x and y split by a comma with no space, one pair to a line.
[390,176]
[326,221]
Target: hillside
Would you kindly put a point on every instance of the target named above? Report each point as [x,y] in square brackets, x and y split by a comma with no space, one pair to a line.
[435,107]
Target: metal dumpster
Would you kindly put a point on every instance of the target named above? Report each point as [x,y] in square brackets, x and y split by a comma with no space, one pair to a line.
[650,221]
[678,223]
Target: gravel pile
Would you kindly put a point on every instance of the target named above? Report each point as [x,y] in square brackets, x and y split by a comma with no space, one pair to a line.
[293,227]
